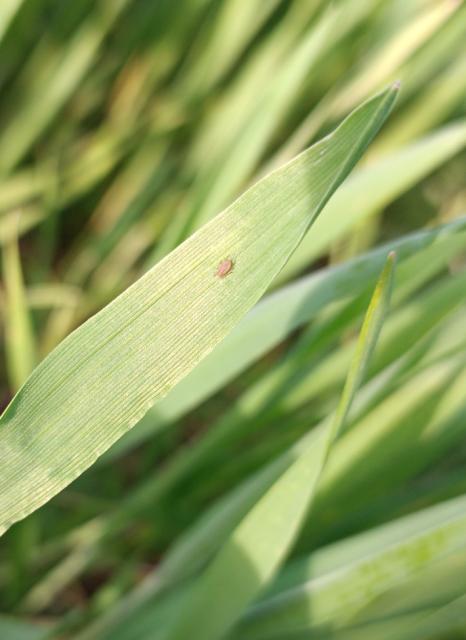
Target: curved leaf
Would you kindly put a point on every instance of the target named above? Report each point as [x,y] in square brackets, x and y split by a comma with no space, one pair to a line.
[104,377]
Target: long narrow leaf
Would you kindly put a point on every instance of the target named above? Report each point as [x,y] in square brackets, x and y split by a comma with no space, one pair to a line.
[20,343]
[102,379]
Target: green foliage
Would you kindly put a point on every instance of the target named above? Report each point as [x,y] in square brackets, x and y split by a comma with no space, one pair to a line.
[135,350]
[180,454]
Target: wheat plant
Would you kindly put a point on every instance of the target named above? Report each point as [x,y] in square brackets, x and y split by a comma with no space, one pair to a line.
[233,301]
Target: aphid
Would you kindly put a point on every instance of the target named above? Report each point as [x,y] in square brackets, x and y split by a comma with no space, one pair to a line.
[225,267]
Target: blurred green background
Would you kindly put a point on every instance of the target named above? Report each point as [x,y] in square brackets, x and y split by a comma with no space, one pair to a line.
[124,126]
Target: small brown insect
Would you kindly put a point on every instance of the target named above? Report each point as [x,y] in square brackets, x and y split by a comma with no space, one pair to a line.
[224,268]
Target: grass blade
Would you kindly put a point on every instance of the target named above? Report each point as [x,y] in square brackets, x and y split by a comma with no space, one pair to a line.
[19,337]
[104,377]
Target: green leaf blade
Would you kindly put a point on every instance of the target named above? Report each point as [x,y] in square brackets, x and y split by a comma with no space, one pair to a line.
[105,376]
[20,341]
